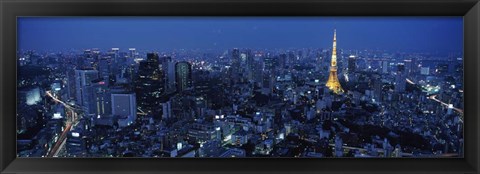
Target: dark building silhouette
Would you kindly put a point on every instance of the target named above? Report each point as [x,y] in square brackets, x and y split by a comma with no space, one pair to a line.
[352,64]
[150,84]
[400,78]
[235,65]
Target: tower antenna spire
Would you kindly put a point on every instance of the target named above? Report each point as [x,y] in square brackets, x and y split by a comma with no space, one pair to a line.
[333,83]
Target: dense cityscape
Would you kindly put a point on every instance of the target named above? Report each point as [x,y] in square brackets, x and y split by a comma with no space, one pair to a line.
[239,102]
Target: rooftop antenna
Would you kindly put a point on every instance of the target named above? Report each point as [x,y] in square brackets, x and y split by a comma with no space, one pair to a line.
[334,25]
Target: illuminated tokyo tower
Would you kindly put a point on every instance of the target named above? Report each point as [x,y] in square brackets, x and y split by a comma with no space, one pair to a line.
[333,83]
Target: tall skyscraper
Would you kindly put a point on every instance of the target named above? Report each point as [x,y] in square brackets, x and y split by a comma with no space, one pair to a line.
[115,53]
[400,78]
[235,68]
[104,66]
[163,62]
[132,53]
[352,65]
[150,84]
[71,84]
[385,67]
[249,58]
[235,57]
[183,73]
[168,68]
[171,75]
[333,83]
[410,67]
[85,94]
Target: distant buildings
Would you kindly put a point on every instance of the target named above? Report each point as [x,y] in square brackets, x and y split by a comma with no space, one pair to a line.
[241,103]
[132,53]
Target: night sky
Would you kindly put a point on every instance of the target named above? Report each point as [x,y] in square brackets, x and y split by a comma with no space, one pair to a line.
[432,34]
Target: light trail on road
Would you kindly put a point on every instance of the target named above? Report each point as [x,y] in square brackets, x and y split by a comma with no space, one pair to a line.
[439,101]
[445,104]
[68,125]
[56,148]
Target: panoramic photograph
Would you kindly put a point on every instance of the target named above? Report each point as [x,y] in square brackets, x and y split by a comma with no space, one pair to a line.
[240,87]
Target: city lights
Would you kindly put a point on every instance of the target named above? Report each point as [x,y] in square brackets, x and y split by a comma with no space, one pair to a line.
[266,92]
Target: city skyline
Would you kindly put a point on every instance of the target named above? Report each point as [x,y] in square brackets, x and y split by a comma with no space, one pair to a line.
[430,34]
[242,102]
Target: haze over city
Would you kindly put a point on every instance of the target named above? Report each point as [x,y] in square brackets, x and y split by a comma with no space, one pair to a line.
[433,34]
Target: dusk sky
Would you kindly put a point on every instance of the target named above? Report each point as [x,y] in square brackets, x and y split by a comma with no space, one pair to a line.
[444,34]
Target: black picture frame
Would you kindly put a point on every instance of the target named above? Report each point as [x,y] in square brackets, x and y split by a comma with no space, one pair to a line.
[11,9]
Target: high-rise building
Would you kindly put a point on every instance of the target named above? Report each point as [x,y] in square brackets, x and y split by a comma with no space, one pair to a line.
[150,84]
[104,66]
[163,62]
[408,67]
[236,64]
[352,65]
[124,106]
[171,76]
[132,53]
[168,68]
[385,67]
[333,83]
[183,73]
[85,94]
[400,78]
[71,84]
[249,58]
[257,69]
[247,65]
[115,53]
[377,89]
[270,63]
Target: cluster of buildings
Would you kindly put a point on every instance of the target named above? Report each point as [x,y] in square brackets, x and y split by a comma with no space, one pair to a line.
[239,103]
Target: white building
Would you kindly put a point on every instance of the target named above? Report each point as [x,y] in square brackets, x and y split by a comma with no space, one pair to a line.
[124,106]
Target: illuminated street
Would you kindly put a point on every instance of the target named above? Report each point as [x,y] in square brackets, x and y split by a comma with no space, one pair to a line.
[71,115]
[240,87]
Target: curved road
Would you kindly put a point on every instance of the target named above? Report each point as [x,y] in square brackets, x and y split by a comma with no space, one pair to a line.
[71,117]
